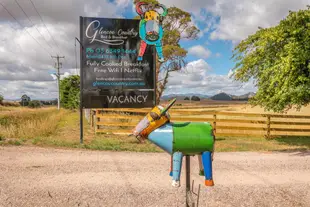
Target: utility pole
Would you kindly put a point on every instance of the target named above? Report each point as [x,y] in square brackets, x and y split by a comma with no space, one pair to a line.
[58,65]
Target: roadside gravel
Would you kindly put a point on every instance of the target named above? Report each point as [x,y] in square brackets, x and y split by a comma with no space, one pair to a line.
[32,176]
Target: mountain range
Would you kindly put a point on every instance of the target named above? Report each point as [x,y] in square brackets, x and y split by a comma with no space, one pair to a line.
[182,96]
[219,96]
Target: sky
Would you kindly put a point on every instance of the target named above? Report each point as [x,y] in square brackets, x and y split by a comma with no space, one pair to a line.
[26,64]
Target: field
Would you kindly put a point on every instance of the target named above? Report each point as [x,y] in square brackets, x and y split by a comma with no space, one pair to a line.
[50,127]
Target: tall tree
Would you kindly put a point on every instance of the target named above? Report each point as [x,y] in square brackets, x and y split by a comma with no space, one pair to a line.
[25,100]
[278,59]
[177,25]
[70,92]
[1,99]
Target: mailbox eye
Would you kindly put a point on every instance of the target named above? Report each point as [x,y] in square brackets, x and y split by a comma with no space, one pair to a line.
[154,116]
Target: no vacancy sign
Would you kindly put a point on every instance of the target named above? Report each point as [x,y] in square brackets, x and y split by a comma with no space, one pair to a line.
[111,75]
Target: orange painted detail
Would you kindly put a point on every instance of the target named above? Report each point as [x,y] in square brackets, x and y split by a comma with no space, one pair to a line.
[143,46]
[154,124]
[209,183]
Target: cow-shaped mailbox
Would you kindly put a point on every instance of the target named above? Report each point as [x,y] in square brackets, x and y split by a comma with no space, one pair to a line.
[150,28]
[179,139]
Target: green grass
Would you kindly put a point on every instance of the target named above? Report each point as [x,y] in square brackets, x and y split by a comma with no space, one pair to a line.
[61,129]
[121,144]
[230,144]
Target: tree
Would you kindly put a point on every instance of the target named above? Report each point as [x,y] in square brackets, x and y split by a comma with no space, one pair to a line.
[195,98]
[278,59]
[34,104]
[25,100]
[177,25]
[186,99]
[1,99]
[70,92]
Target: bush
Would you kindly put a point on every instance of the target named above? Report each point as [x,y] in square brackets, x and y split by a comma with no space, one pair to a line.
[1,99]
[34,104]
[10,103]
[195,98]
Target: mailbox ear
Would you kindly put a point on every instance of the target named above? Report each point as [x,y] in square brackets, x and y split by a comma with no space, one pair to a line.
[165,11]
[168,107]
[139,7]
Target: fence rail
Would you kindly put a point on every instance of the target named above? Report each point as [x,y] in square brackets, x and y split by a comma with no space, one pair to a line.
[121,121]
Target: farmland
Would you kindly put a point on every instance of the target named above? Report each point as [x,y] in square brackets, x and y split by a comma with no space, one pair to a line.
[50,127]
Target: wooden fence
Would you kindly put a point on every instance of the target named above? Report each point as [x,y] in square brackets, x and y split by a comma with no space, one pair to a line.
[225,124]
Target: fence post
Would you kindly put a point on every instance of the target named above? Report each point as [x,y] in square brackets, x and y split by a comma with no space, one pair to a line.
[214,123]
[268,126]
[97,119]
[92,117]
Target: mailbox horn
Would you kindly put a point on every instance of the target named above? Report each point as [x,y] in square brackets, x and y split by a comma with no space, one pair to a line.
[138,7]
[168,107]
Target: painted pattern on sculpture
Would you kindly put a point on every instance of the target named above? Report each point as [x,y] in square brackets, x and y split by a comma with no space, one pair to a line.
[179,139]
[150,28]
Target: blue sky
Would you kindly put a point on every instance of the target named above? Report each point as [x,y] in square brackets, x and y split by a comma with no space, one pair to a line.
[221,51]
[25,66]
[214,52]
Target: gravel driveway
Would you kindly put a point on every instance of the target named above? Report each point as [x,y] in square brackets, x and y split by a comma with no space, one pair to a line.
[31,176]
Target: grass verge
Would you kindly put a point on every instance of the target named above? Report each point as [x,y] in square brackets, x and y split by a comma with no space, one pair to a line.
[50,127]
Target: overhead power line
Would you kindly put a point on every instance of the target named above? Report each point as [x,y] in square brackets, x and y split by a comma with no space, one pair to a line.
[45,25]
[25,29]
[33,23]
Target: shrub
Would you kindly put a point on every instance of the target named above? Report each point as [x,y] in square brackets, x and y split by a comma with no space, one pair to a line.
[195,98]
[10,103]
[34,104]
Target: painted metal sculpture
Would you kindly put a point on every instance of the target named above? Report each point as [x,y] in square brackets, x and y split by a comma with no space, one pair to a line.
[179,139]
[150,28]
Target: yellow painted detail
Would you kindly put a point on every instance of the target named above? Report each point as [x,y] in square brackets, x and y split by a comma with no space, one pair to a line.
[151,15]
[154,124]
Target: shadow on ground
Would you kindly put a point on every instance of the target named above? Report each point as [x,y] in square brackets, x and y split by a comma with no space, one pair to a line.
[302,142]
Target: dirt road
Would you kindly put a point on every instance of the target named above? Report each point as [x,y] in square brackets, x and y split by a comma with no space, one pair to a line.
[31,176]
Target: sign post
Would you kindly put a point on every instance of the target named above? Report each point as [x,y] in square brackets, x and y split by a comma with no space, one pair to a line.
[112,75]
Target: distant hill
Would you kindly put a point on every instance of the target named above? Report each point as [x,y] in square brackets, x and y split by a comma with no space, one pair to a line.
[222,97]
[183,96]
[218,97]
[244,97]
[228,97]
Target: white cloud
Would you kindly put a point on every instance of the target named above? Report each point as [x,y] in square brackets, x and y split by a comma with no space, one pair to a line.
[242,18]
[238,18]
[54,76]
[193,6]
[195,78]
[123,3]
[34,89]
[230,73]
[23,60]
[190,75]
[199,51]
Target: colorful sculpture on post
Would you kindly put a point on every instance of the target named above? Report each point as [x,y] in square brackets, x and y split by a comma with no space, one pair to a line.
[150,28]
[179,139]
